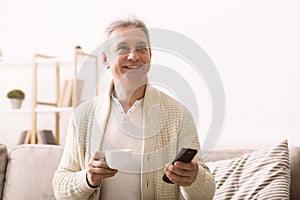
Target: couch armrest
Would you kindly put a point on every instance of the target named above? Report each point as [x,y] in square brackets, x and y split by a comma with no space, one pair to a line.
[30,171]
[295,172]
[3,163]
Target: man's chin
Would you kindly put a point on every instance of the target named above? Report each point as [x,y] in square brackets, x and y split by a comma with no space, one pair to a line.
[135,77]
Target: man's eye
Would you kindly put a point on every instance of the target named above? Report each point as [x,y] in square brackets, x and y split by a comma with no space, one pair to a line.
[141,48]
[123,49]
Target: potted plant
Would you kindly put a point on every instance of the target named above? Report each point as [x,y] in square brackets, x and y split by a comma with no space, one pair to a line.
[16,97]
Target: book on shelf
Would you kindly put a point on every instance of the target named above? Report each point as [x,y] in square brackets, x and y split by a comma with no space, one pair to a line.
[24,137]
[79,88]
[67,94]
[65,99]
[45,137]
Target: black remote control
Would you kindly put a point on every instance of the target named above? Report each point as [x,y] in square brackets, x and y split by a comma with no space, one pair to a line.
[185,155]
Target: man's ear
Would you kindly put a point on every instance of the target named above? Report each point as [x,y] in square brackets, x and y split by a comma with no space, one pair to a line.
[104,59]
[150,52]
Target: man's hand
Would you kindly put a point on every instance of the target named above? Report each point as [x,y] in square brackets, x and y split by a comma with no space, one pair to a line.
[98,169]
[181,173]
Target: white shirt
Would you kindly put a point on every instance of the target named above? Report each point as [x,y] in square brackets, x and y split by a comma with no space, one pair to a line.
[124,131]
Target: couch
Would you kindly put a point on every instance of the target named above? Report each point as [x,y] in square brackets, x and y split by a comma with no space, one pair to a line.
[26,171]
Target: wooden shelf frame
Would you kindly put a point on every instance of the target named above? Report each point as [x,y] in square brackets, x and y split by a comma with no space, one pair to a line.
[52,107]
[79,53]
[36,60]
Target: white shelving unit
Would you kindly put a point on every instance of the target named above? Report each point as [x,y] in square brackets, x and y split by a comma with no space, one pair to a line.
[19,74]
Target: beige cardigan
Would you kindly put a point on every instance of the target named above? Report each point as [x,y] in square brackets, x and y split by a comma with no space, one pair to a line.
[168,126]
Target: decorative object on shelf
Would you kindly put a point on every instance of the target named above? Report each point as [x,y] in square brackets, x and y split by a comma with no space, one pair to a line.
[45,137]
[1,55]
[78,47]
[24,137]
[16,97]
[67,96]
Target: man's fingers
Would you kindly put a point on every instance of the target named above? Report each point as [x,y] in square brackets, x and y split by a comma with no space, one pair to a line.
[99,155]
[98,164]
[179,171]
[102,171]
[185,166]
[98,160]
[182,173]
[98,176]
[98,169]
[178,179]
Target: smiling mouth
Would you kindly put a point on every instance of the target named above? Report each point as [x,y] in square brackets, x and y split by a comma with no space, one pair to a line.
[133,67]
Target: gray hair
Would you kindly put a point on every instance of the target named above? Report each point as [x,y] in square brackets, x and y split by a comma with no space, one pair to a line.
[137,23]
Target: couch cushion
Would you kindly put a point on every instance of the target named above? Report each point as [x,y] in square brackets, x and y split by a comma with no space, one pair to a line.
[30,171]
[3,163]
[262,174]
[223,154]
[295,172]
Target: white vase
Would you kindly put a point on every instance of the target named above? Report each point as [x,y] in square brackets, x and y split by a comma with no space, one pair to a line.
[16,103]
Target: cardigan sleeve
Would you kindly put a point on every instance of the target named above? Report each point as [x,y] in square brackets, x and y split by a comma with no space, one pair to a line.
[204,185]
[69,180]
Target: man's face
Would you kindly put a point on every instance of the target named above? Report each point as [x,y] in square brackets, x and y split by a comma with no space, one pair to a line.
[129,54]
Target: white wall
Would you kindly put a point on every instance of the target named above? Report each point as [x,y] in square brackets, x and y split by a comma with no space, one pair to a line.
[254,44]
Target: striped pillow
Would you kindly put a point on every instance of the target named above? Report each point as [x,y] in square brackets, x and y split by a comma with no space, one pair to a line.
[263,174]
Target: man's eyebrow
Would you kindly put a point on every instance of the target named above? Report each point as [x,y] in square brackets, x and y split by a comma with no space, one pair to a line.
[142,42]
[121,43]
[126,43]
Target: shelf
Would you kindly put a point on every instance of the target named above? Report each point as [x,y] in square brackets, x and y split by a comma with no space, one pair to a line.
[16,111]
[53,109]
[38,110]
[54,60]
[11,63]
[29,63]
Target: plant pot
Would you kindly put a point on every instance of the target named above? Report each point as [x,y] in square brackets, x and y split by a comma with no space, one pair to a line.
[16,103]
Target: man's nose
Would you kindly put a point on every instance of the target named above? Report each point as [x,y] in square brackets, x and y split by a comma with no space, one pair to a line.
[133,55]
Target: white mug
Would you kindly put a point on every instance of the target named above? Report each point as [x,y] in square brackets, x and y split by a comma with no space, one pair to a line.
[118,158]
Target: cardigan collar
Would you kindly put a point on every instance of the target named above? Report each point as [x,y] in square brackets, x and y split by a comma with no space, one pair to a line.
[151,118]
